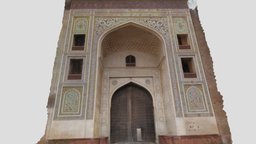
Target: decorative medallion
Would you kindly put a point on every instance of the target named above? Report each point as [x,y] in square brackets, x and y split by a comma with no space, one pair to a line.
[147,81]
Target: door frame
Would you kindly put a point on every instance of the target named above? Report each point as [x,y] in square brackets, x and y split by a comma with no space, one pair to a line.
[142,82]
[142,89]
[113,79]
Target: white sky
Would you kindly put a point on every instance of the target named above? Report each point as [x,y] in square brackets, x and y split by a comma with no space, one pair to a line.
[29,31]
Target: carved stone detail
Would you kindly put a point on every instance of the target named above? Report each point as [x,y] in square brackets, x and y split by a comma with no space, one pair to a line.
[104,105]
[114,82]
[104,23]
[158,24]
[192,126]
[147,81]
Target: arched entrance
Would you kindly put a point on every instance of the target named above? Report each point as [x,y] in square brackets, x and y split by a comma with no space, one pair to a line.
[132,117]
[131,53]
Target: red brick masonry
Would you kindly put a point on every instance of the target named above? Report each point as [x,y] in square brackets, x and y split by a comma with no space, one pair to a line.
[192,139]
[80,141]
[216,97]
[130,4]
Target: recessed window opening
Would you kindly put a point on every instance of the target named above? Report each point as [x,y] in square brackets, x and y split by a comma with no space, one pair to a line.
[188,68]
[183,41]
[78,42]
[130,60]
[75,69]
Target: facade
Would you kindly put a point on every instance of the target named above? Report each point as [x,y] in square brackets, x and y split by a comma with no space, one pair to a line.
[133,71]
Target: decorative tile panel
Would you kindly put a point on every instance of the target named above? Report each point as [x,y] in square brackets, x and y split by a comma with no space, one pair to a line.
[80,25]
[180,25]
[70,103]
[196,101]
[71,100]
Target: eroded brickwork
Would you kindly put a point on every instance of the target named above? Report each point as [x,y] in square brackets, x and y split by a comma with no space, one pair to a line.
[216,97]
[196,139]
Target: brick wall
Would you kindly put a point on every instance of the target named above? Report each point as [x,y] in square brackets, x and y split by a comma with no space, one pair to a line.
[216,97]
[80,141]
[195,139]
[130,4]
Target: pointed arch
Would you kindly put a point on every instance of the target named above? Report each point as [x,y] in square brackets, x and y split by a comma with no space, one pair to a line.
[131,82]
[132,109]
[155,33]
[114,28]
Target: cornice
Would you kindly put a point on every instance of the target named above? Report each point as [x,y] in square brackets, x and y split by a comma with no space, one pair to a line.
[126,4]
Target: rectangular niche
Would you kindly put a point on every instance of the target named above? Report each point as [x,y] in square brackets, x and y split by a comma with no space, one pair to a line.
[183,41]
[78,42]
[188,67]
[80,33]
[75,69]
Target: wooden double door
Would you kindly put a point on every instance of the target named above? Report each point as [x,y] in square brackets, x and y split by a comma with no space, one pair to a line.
[132,117]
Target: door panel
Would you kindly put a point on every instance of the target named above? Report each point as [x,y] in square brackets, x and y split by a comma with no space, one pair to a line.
[119,117]
[132,109]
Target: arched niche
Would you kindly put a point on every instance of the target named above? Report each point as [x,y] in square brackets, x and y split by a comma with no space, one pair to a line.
[131,39]
[148,47]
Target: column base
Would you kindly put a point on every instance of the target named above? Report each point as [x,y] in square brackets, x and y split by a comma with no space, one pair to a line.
[191,139]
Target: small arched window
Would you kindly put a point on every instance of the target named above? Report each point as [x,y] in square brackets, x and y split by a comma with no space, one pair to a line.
[130,60]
